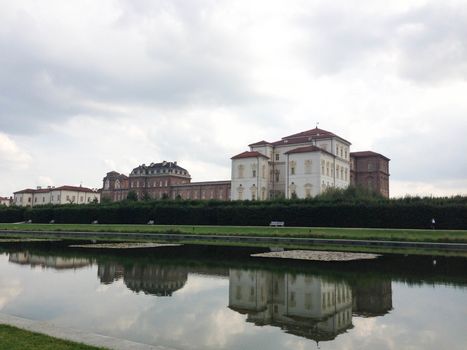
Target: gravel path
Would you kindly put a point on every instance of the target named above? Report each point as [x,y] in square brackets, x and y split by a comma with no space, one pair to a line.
[123,245]
[316,255]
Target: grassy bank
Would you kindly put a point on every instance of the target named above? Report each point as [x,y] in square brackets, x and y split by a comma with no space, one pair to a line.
[12,338]
[458,236]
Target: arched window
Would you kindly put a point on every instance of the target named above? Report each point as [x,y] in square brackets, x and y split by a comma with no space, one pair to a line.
[117,184]
[240,192]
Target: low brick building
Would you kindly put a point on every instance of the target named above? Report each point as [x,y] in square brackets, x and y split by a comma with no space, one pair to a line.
[162,180]
[370,170]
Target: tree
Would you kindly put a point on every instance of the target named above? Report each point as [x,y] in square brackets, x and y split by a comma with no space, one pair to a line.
[146,196]
[132,196]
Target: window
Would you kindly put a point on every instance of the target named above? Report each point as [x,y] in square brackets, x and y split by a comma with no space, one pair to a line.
[293,165]
[263,171]
[337,174]
[322,167]
[308,301]
[345,153]
[277,156]
[241,169]
[73,198]
[35,200]
[308,166]
[43,199]
[254,173]
[68,198]
[240,192]
[292,299]
[81,199]
[277,175]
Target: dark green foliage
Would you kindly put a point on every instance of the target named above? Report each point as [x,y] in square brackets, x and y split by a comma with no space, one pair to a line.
[11,214]
[335,208]
[132,196]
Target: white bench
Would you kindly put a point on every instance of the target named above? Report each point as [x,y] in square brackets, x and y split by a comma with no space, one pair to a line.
[277,223]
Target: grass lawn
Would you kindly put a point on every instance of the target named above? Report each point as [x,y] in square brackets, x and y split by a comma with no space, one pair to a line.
[312,232]
[12,338]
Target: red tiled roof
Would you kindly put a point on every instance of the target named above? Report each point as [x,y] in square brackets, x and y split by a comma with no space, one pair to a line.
[260,143]
[305,136]
[61,188]
[311,132]
[292,141]
[308,149]
[367,154]
[73,188]
[249,154]
[27,190]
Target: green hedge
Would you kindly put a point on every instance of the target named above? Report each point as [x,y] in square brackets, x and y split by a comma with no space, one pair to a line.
[388,214]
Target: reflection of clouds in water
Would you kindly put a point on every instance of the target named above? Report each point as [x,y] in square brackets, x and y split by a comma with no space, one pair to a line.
[225,325]
[197,315]
[9,290]
[364,326]
[199,284]
[297,344]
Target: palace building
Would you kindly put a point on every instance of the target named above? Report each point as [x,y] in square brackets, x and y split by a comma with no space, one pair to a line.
[304,165]
[301,165]
[162,180]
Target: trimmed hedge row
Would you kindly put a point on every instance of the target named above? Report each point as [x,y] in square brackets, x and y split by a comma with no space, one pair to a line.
[378,215]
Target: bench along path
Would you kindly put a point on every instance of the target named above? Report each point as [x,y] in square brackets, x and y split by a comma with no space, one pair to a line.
[239,238]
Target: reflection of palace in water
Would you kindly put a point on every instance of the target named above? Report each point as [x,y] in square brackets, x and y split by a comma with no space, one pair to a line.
[303,305]
[150,279]
[55,262]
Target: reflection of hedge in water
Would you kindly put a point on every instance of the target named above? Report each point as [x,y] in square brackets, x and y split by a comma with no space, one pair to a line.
[449,214]
[217,260]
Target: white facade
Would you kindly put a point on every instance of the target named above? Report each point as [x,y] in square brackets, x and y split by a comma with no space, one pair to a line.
[250,176]
[298,166]
[56,195]
[292,301]
[5,201]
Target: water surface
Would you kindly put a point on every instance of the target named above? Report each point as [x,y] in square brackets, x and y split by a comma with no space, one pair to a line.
[216,298]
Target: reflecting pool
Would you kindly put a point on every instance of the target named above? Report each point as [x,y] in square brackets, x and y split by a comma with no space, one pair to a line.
[199,297]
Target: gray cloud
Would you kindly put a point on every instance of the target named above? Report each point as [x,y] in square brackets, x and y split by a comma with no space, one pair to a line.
[424,44]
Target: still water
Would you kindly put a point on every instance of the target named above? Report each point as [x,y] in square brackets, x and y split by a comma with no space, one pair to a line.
[218,298]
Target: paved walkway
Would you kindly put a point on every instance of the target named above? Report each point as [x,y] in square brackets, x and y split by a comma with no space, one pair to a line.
[243,239]
[75,335]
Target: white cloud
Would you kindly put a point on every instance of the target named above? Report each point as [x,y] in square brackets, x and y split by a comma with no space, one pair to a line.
[92,87]
[11,155]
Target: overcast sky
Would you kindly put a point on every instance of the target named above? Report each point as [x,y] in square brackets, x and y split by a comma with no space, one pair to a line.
[87,87]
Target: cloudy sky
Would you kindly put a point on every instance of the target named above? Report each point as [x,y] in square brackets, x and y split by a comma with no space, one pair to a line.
[87,87]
